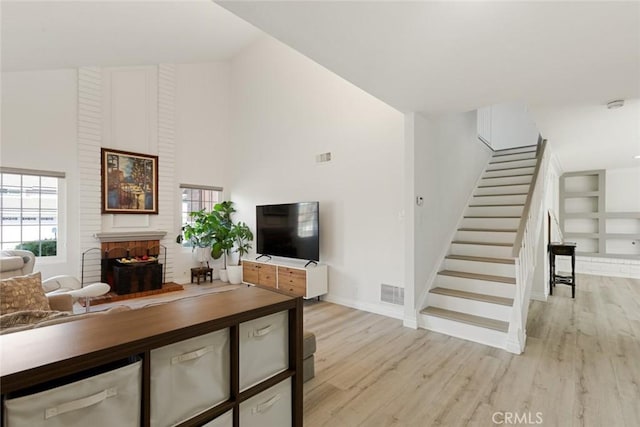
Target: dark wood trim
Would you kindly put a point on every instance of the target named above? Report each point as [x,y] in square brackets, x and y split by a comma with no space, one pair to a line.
[295,361]
[146,389]
[235,372]
[209,414]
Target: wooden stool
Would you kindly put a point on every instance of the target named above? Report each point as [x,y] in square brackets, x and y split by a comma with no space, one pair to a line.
[562,249]
[198,272]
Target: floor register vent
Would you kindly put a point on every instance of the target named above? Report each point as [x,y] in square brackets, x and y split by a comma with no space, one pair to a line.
[392,294]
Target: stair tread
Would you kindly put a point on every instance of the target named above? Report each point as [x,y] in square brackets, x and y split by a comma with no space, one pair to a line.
[508,169]
[469,242]
[502,194]
[469,319]
[482,259]
[500,185]
[535,146]
[494,205]
[492,216]
[489,230]
[478,276]
[473,296]
[507,176]
[514,160]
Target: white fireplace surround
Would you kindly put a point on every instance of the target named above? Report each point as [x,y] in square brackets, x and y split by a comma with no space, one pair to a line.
[126,236]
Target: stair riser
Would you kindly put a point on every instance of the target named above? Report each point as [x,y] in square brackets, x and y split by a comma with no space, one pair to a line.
[468,306]
[508,180]
[462,330]
[504,165]
[497,289]
[518,156]
[524,188]
[494,210]
[490,223]
[481,250]
[499,200]
[500,173]
[484,236]
[491,268]
[531,150]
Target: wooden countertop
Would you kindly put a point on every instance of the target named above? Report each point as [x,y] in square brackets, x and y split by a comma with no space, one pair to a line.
[37,355]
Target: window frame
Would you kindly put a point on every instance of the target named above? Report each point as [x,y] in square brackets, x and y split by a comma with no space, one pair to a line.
[213,189]
[60,234]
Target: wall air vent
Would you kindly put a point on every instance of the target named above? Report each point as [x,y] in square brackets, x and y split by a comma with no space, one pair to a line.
[392,294]
[324,157]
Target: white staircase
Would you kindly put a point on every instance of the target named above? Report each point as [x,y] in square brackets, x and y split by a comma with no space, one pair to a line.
[474,294]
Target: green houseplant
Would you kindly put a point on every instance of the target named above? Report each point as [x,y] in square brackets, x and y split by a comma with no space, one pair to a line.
[222,235]
[242,238]
[200,232]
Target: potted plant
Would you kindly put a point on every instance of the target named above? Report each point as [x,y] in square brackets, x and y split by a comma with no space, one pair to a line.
[242,238]
[222,237]
[200,233]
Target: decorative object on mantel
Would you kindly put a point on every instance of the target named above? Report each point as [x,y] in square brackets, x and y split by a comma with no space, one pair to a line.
[129,182]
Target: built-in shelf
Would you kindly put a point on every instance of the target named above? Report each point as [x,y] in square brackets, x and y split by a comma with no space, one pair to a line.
[585,220]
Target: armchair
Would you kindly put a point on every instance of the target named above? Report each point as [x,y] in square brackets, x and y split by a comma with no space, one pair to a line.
[16,263]
[69,285]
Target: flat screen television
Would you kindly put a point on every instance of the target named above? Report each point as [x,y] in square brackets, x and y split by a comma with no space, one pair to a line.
[289,230]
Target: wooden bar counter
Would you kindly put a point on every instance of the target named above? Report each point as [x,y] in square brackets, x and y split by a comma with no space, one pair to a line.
[41,355]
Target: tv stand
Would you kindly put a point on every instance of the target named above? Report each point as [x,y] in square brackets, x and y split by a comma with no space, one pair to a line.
[294,277]
[263,255]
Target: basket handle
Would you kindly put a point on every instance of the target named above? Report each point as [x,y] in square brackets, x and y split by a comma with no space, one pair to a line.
[85,402]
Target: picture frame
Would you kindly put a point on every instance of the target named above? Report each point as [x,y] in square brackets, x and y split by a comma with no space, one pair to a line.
[129,182]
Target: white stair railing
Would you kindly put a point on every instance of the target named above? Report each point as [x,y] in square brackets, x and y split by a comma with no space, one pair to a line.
[525,251]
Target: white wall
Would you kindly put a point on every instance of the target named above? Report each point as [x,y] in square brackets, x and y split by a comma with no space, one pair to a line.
[587,137]
[202,138]
[448,162]
[512,126]
[622,189]
[286,109]
[39,131]
[40,122]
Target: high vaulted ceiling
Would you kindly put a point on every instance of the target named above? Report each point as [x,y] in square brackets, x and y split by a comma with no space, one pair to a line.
[69,34]
[456,56]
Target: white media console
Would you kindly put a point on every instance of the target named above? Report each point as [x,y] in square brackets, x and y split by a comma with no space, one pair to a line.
[290,276]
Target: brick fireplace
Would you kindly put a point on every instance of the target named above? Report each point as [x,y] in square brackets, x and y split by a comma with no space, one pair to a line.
[132,265]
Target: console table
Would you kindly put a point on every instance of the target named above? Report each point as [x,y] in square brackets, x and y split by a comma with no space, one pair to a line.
[238,357]
[562,249]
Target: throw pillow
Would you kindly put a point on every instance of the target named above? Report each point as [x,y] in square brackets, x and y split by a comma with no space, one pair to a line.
[22,293]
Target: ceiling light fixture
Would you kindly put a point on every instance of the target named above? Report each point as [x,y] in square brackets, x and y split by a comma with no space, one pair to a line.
[637,157]
[615,104]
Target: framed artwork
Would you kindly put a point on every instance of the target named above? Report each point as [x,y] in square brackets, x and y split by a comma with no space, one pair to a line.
[129,182]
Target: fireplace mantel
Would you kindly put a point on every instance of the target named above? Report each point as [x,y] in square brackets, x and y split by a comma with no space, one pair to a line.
[126,236]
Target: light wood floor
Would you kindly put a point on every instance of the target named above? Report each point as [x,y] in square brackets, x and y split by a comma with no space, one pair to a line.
[581,366]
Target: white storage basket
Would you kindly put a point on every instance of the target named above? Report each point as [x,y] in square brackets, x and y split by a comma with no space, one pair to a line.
[264,348]
[224,420]
[104,400]
[189,377]
[271,407]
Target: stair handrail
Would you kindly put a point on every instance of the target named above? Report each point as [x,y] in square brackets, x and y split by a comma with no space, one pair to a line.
[524,252]
[517,246]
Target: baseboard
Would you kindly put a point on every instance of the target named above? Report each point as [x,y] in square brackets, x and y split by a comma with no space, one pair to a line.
[538,296]
[389,310]
[410,323]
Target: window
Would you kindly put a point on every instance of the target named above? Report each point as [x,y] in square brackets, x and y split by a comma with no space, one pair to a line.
[197,197]
[29,203]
